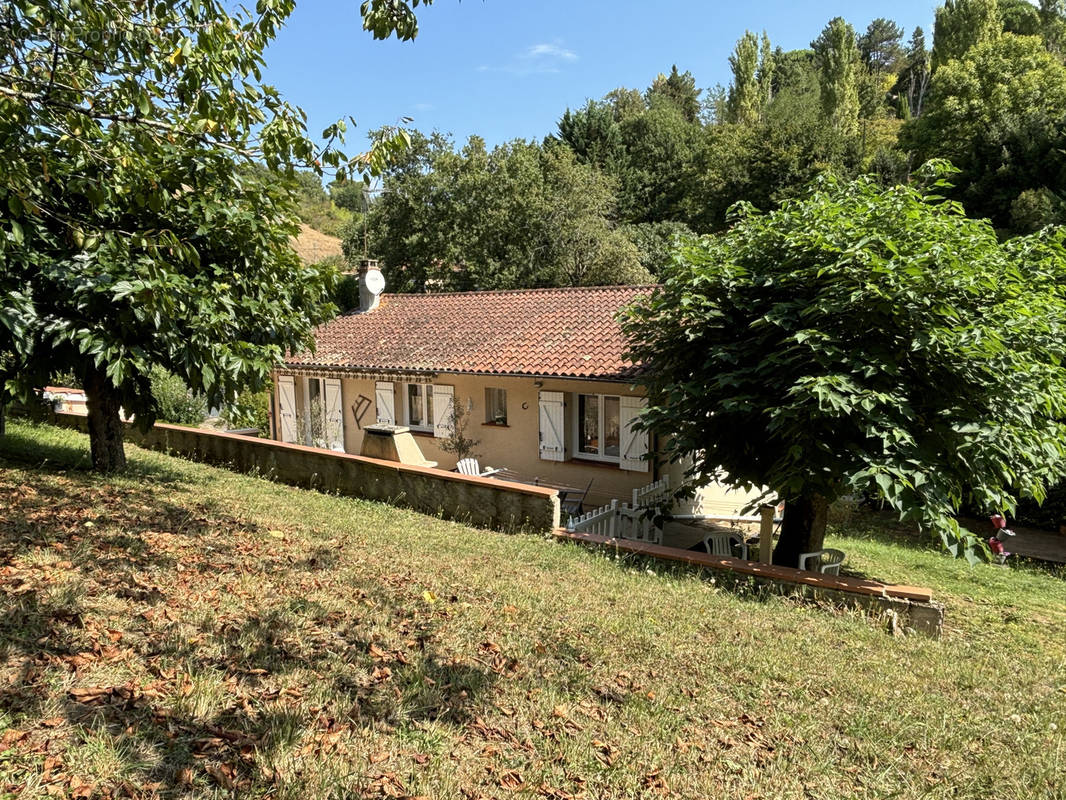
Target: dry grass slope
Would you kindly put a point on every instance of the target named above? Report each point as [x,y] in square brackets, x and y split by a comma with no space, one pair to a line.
[182,631]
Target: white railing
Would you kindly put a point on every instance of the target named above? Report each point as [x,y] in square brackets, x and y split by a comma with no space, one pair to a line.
[617,521]
[653,494]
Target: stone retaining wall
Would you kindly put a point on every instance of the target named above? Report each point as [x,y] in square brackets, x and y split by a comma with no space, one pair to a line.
[484,502]
[904,608]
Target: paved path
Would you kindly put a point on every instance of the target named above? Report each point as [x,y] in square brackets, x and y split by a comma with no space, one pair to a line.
[1028,542]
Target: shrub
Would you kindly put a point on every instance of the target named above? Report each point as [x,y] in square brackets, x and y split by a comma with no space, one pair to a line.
[174,401]
[249,410]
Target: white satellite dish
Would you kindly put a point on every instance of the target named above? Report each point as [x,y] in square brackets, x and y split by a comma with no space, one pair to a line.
[375,281]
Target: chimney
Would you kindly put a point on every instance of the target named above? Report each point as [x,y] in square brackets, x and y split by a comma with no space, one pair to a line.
[371,284]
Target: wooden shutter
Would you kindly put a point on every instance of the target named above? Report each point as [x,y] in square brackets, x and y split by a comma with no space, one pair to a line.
[386,402]
[443,418]
[634,442]
[334,414]
[551,426]
[287,408]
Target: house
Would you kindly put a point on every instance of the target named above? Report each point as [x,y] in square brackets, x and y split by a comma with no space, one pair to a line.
[541,372]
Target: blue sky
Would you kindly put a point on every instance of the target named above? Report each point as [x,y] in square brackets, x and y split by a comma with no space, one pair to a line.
[509,68]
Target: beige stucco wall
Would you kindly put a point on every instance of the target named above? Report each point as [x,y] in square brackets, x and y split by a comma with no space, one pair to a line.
[516,446]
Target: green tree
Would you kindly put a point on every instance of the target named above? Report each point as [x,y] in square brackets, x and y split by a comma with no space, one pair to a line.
[519,216]
[880,47]
[1020,17]
[767,69]
[858,340]
[746,96]
[594,135]
[999,114]
[912,84]
[135,233]
[837,59]
[660,173]
[961,24]
[678,89]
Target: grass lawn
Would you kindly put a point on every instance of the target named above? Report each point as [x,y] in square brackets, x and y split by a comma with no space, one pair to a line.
[182,631]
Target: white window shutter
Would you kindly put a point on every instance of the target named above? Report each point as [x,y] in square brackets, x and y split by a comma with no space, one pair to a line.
[385,398]
[551,426]
[287,407]
[334,415]
[443,419]
[634,442]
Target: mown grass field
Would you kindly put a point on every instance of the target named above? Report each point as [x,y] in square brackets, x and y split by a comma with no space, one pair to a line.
[182,631]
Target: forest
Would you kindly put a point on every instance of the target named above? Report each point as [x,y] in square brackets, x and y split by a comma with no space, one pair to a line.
[600,199]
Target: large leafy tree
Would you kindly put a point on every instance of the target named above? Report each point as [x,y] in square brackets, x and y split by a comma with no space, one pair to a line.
[961,24]
[134,232]
[999,114]
[520,215]
[862,340]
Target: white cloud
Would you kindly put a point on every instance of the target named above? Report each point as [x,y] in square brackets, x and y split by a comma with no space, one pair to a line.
[550,51]
[546,57]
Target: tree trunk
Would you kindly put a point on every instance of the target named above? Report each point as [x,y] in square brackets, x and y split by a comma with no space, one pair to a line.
[105,422]
[803,528]
[3,419]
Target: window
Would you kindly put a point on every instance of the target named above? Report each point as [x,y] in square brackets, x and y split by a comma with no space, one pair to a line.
[598,427]
[496,406]
[419,402]
[322,418]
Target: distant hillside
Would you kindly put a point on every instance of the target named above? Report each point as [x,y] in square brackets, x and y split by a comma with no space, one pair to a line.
[313,246]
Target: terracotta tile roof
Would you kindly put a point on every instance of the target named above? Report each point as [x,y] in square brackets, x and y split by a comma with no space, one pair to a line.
[550,332]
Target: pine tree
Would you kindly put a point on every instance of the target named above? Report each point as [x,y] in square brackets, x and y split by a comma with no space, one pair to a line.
[745,93]
[836,56]
[960,24]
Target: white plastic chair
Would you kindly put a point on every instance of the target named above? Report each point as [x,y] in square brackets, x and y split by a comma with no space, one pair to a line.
[470,466]
[828,561]
[721,544]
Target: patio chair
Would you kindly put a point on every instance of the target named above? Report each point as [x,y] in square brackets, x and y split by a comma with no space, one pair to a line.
[470,466]
[721,544]
[825,561]
[574,502]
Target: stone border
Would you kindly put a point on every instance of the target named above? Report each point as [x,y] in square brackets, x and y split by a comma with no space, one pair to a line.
[484,502]
[903,606]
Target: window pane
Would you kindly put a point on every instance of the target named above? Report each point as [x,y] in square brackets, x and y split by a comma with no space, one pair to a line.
[427,392]
[588,414]
[496,406]
[611,426]
[414,404]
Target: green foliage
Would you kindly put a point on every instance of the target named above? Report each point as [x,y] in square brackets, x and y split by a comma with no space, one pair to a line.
[136,230]
[521,215]
[746,96]
[863,339]
[880,47]
[655,242]
[837,58]
[594,135]
[174,401]
[962,24]
[999,114]
[678,91]
[249,410]
[317,208]
[1020,17]
[346,296]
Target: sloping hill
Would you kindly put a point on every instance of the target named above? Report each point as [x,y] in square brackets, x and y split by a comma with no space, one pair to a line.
[185,631]
[313,246]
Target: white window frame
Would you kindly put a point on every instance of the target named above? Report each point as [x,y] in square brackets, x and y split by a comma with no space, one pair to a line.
[577,451]
[427,417]
[306,432]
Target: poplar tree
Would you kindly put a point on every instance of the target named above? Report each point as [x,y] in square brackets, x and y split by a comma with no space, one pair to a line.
[836,57]
[746,92]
